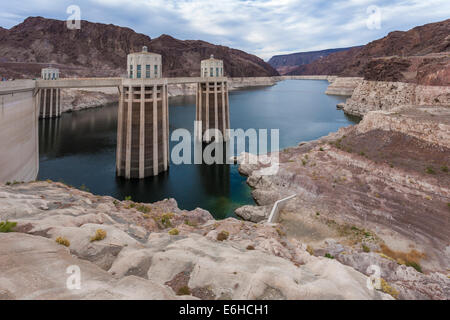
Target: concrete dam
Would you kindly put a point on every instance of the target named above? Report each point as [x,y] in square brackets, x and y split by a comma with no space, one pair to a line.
[143,117]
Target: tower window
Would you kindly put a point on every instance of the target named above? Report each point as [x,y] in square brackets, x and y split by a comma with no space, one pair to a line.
[147,71]
[131,71]
[211,72]
[217,72]
[156,71]
[138,72]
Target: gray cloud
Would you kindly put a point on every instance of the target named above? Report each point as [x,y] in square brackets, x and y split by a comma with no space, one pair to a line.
[262,27]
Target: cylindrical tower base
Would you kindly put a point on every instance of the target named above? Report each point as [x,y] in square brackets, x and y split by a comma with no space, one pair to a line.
[49,103]
[143,129]
[212,109]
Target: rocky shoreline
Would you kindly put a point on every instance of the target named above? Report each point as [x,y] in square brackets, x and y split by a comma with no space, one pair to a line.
[372,195]
[127,250]
[379,189]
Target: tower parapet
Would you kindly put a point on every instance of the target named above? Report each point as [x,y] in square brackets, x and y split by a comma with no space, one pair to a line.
[211,68]
[144,65]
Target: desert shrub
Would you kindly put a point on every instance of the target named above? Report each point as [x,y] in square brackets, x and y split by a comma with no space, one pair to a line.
[128,198]
[142,208]
[365,248]
[310,250]
[184,291]
[444,169]
[63,241]
[7,226]
[329,256]
[222,235]
[174,232]
[165,220]
[84,188]
[100,234]
[410,259]
[280,232]
[250,247]
[415,265]
[430,170]
[386,288]
[189,223]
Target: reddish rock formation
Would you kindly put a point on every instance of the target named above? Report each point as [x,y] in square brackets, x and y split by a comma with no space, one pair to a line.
[285,63]
[400,56]
[100,50]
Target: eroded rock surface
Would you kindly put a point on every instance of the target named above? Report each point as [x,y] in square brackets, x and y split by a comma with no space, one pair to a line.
[380,187]
[154,251]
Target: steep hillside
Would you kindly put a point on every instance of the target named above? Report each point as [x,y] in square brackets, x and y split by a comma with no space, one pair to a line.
[418,55]
[100,50]
[288,62]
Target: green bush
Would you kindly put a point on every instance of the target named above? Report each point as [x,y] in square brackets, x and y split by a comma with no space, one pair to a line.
[329,256]
[430,170]
[415,265]
[7,226]
[165,220]
[143,209]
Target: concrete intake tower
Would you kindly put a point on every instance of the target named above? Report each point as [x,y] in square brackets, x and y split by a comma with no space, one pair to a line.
[143,118]
[49,99]
[212,105]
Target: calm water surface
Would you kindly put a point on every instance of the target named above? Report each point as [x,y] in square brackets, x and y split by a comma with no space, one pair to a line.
[79,148]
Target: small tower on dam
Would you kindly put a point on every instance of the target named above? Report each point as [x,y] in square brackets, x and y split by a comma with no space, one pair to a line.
[212,107]
[49,99]
[143,118]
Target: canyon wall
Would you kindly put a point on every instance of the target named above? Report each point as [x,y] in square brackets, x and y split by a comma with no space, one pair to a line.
[381,95]
[343,86]
[19,151]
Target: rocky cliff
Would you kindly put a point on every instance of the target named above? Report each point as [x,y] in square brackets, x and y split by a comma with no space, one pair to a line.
[379,189]
[420,55]
[381,95]
[100,50]
[287,62]
[343,86]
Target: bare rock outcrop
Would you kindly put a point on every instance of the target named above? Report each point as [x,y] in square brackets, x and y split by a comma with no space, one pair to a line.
[100,50]
[419,55]
[380,186]
[386,96]
[154,251]
[343,86]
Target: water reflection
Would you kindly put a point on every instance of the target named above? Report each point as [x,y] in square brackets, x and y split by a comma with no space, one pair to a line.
[80,147]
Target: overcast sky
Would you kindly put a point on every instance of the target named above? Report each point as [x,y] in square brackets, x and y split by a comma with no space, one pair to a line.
[261,27]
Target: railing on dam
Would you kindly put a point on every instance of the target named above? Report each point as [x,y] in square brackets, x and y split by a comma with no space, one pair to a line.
[116,82]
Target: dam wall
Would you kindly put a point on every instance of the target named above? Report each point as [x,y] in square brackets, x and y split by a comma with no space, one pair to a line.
[19,150]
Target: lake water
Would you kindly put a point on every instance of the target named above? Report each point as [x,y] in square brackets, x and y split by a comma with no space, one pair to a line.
[80,147]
